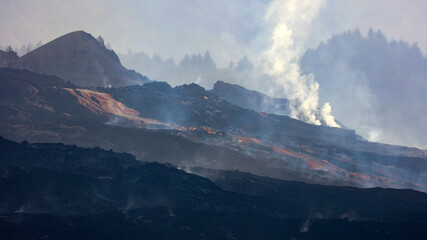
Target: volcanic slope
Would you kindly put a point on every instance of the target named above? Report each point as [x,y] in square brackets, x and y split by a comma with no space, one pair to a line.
[63,191]
[249,99]
[196,128]
[318,151]
[79,58]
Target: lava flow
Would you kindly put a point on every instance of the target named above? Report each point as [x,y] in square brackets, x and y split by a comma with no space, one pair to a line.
[241,139]
[103,103]
[262,114]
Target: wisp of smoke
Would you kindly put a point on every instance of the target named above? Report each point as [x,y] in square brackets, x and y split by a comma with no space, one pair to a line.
[281,60]
[325,114]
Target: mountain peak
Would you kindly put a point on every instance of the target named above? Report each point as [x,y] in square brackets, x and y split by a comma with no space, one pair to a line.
[80,58]
[78,33]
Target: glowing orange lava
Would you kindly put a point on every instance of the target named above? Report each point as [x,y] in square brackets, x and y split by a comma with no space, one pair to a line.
[282,151]
[103,103]
[209,130]
[241,139]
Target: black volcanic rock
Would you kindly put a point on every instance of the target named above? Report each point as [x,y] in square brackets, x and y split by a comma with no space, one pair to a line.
[39,98]
[325,201]
[41,108]
[192,105]
[79,58]
[65,192]
[36,108]
[249,99]
[40,169]
[95,181]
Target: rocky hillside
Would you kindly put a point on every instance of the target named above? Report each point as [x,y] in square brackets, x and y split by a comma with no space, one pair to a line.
[190,127]
[81,59]
[60,191]
[250,99]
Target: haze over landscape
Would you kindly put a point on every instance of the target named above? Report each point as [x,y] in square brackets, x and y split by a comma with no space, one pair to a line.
[279,119]
[156,45]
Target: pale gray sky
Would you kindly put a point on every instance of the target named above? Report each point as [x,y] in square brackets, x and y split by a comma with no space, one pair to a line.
[172,28]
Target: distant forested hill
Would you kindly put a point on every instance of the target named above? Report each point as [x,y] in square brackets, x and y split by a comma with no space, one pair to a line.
[375,85]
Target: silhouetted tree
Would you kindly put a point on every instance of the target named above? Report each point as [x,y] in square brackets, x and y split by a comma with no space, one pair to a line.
[38,44]
[101,41]
[231,65]
[22,50]
[29,47]
[243,64]
[208,63]
[11,55]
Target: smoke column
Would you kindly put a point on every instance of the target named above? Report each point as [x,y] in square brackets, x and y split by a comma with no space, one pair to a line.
[292,18]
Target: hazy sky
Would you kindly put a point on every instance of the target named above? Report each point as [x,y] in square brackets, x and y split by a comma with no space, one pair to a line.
[172,28]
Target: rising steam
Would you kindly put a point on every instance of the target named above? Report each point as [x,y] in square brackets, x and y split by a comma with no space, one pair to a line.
[326,115]
[291,18]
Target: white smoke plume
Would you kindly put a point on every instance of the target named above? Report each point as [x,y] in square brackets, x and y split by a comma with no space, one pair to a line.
[291,19]
[326,115]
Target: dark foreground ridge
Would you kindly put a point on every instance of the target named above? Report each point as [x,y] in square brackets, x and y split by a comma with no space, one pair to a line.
[58,191]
